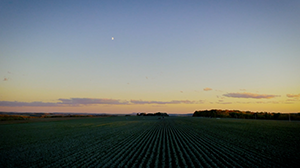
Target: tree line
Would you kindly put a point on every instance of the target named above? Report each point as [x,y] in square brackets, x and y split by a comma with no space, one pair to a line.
[153,114]
[216,113]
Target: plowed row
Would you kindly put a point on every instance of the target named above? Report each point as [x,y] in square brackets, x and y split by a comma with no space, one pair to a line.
[146,142]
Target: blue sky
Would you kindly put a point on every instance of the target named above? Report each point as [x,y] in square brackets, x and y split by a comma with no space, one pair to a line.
[162,51]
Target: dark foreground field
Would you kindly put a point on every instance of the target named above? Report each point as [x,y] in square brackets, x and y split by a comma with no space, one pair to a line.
[150,142]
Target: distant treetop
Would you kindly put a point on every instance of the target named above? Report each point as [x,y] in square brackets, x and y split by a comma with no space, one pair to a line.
[153,114]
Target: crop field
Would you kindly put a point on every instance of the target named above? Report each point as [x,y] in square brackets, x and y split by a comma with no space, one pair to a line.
[150,142]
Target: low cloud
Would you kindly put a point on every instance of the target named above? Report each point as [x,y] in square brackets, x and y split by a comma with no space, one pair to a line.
[250,95]
[293,95]
[89,101]
[163,102]
[219,97]
[267,102]
[207,89]
[159,105]
[222,102]
[292,100]
[32,104]
[92,101]
[243,102]
[63,102]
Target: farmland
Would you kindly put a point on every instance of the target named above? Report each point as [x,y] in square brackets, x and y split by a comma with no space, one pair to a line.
[150,142]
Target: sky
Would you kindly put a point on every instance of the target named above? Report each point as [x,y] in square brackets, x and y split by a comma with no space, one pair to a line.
[149,56]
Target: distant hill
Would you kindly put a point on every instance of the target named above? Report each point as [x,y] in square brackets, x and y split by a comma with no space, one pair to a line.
[6,116]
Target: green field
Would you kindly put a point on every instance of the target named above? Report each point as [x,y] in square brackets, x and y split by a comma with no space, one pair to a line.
[150,142]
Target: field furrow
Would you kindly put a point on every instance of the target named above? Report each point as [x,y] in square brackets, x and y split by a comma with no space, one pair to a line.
[114,156]
[93,147]
[150,142]
[222,156]
[147,150]
[187,145]
[238,154]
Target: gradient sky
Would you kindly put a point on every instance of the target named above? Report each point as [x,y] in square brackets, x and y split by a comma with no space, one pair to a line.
[170,56]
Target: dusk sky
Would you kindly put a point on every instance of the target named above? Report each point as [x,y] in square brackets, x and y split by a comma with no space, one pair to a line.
[137,56]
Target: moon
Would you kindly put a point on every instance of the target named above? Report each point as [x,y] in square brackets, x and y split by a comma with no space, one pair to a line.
[112,38]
